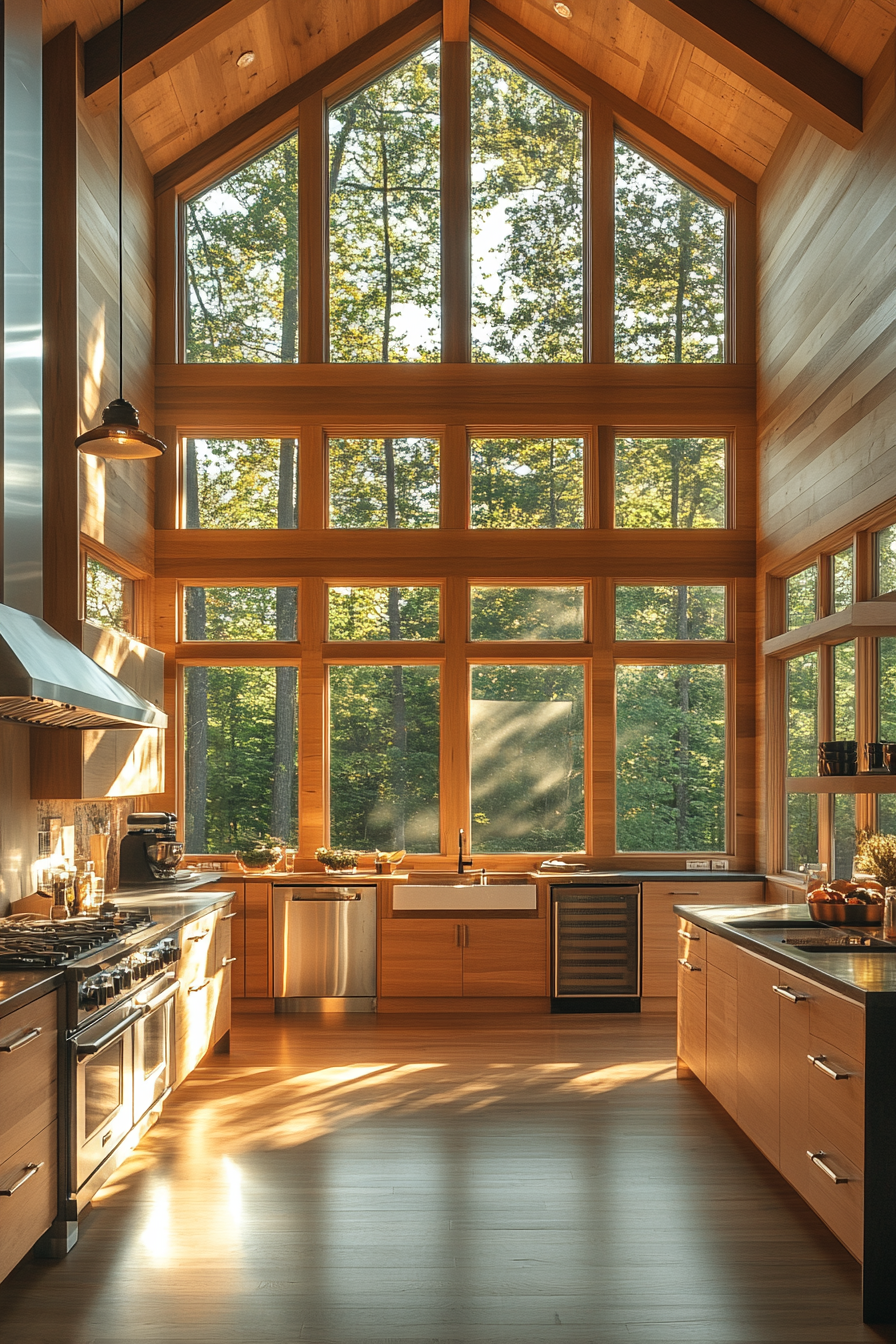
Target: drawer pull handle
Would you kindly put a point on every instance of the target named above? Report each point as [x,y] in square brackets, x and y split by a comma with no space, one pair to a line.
[198,937]
[819,1062]
[230,916]
[227,961]
[194,989]
[31,1169]
[683,961]
[818,1159]
[789,994]
[8,1046]
[691,937]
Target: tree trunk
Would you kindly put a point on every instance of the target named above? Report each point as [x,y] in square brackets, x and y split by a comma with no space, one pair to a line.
[196,707]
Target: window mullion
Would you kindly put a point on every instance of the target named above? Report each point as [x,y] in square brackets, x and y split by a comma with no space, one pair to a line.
[312,207]
[455,202]
[599,267]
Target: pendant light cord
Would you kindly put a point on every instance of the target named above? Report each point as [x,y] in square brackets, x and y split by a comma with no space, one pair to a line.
[120,180]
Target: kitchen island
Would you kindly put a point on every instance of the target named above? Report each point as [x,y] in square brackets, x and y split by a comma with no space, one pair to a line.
[797,1040]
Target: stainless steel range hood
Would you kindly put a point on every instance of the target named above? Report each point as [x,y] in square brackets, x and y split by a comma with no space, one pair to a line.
[44,679]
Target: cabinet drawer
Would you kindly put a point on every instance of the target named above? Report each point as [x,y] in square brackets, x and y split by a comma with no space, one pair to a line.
[721,953]
[839,1205]
[27,1074]
[838,1023]
[836,1105]
[27,1213]
[691,944]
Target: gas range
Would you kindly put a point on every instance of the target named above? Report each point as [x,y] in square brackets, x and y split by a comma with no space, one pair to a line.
[34,945]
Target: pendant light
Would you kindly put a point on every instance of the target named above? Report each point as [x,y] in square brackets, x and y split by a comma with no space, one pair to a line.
[120,435]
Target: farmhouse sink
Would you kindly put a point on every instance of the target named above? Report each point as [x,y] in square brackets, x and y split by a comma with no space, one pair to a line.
[473,877]
[465,895]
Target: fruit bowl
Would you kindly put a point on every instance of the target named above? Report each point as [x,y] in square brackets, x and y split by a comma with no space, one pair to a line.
[836,912]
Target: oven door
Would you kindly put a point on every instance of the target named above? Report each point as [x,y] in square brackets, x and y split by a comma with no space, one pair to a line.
[154,1049]
[103,1100]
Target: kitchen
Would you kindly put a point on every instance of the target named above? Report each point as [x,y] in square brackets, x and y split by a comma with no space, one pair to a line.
[580,590]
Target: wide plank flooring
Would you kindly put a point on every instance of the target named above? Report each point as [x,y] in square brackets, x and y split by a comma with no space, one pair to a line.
[479,1180]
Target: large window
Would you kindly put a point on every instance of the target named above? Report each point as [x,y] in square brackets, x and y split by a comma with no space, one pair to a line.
[384,758]
[801,830]
[384,218]
[108,597]
[526,483]
[527,787]
[517,613]
[390,482]
[670,612]
[240,483]
[670,267]
[670,482]
[242,264]
[383,613]
[802,597]
[670,758]
[240,613]
[528,218]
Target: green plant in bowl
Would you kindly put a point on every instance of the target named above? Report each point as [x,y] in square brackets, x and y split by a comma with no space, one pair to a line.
[337,860]
[258,856]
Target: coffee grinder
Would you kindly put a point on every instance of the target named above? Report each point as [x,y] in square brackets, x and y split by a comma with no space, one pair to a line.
[150,852]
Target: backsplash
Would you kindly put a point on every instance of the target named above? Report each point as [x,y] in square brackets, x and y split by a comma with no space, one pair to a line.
[88,818]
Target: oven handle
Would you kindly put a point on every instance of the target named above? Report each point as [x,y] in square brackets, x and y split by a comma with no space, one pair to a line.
[94,1047]
[150,1005]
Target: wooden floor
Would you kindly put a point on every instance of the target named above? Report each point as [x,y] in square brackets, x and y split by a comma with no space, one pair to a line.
[476,1180]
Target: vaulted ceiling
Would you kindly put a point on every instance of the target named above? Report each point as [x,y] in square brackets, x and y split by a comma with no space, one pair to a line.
[189,87]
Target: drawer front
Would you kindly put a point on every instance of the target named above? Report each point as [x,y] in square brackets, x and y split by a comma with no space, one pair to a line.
[195,1022]
[840,1205]
[837,1104]
[197,951]
[691,944]
[27,1074]
[838,1022]
[27,1213]
[721,953]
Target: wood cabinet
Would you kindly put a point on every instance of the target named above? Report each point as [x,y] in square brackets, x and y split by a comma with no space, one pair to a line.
[786,1057]
[203,1008]
[462,958]
[28,1163]
[659,923]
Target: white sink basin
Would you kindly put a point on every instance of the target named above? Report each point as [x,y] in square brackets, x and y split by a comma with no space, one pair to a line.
[506,896]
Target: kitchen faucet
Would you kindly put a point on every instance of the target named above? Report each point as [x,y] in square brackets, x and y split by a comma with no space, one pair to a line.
[462,863]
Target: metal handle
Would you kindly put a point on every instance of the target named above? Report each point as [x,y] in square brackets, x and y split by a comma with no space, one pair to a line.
[691,937]
[31,1169]
[466,929]
[683,961]
[789,994]
[684,893]
[227,961]
[194,989]
[150,1005]
[198,937]
[457,941]
[232,915]
[818,1061]
[818,1159]
[7,1047]
[94,1047]
[337,896]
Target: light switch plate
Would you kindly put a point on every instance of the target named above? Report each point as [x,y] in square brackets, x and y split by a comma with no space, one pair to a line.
[720,865]
[697,865]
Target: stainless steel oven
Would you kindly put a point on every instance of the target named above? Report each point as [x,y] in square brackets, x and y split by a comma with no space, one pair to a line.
[103,1088]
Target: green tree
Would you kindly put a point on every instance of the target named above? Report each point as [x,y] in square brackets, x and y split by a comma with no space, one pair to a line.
[670,267]
[528,218]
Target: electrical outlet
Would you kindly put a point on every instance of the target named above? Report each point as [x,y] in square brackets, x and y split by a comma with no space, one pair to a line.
[697,865]
[720,865]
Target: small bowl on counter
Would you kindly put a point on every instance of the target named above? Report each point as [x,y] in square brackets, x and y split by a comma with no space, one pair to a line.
[826,909]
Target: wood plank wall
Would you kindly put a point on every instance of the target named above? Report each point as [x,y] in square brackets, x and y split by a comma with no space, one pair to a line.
[116,499]
[826,378]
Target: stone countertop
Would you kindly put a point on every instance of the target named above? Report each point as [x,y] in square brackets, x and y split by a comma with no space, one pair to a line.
[19,988]
[857,975]
[407,875]
[653,875]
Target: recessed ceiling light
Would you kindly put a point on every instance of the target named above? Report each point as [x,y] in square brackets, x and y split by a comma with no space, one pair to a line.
[563,10]
[245,58]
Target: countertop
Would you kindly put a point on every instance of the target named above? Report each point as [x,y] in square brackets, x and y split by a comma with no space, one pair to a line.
[856,975]
[407,875]
[171,904]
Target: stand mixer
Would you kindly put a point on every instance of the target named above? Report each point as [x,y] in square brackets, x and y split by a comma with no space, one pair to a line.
[150,852]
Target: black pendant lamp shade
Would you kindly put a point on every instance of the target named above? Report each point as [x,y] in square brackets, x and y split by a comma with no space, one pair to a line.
[120,434]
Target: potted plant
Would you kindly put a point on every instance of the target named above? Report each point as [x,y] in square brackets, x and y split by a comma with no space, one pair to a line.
[258,855]
[337,860]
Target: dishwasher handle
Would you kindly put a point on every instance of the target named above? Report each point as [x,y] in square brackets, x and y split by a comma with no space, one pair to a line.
[326,895]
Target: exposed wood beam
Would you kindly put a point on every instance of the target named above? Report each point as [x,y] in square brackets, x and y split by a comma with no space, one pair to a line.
[455,20]
[755,45]
[280,105]
[158,34]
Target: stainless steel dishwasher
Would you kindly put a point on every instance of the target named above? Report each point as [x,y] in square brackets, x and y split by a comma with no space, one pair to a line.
[325,949]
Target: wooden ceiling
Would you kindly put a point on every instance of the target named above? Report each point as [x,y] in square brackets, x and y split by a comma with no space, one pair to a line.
[186,98]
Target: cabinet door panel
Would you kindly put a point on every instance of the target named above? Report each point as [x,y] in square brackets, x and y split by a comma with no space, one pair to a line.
[504,958]
[757,1052]
[659,940]
[837,1105]
[692,1019]
[421,958]
[721,1037]
[258,944]
[794,1089]
[27,1073]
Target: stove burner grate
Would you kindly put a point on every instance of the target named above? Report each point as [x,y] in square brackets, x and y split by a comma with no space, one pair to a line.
[39,944]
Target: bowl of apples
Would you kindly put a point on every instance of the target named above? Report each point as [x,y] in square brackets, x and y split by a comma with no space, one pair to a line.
[843,902]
